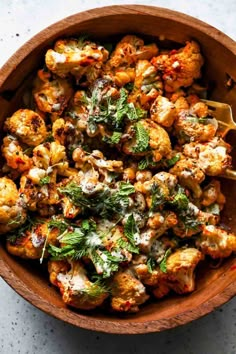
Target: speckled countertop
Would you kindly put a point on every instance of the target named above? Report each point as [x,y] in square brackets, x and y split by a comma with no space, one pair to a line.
[23,328]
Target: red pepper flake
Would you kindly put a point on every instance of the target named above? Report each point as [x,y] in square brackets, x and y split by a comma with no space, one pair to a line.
[233,267]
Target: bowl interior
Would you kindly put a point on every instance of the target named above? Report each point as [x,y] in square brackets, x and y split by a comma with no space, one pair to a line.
[167,28]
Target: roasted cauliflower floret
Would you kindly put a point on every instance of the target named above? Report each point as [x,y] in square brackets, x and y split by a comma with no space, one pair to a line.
[76,289]
[50,155]
[189,174]
[28,126]
[127,292]
[77,112]
[147,137]
[66,133]
[212,194]
[52,95]
[147,84]
[31,243]
[194,122]
[180,267]
[180,67]
[129,50]
[12,213]
[216,242]
[212,157]
[158,224]
[163,111]
[77,57]
[14,154]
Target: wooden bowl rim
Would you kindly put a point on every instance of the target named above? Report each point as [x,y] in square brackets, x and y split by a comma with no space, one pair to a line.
[83,321]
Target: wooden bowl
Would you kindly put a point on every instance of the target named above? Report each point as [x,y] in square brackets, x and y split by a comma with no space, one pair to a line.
[214,286]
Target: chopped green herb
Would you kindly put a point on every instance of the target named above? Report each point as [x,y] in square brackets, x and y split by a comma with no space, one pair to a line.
[151,264]
[114,139]
[127,246]
[142,138]
[171,162]
[93,291]
[158,197]
[131,229]
[163,267]
[180,201]
[147,162]
[44,180]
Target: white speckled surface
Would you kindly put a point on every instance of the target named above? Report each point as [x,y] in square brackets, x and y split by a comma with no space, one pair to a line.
[24,329]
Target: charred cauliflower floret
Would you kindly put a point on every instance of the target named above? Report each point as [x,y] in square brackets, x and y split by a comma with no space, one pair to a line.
[212,157]
[163,111]
[147,137]
[76,289]
[77,112]
[194,122]
[52,95]
[158,224]
[127,292]
[212,195]
[216,242]
[48,156]
[31,243]
[78,57]
[147,84]
[28,126]
[180,67]
[189,174]
[131,49]
[12,213]
[180,267]
[14,154]
[66,133]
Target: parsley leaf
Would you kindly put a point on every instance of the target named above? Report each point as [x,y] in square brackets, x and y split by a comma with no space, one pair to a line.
[142,138]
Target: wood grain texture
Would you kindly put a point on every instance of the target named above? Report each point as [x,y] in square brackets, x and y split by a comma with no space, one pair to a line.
[214,286]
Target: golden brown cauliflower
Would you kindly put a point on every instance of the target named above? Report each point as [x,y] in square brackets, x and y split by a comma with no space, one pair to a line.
[12,213]
[180,267]
[157,224]
[127,292]
[212,157]
[129,50]
[216,242]
[189,174]
[14,154]
[163,111]
[76,289]
[52,95]
[179,276]
[30,243]
[50,155]
[180,67]
[147,137]
[194,121]
[28,126]
[212,194]
[147,84]
[77,112]
[78,57]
